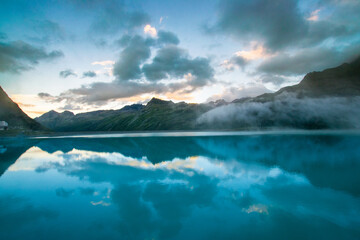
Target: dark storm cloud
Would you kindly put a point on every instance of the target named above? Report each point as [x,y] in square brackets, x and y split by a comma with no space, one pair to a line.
[18,56]
[313,59]
[174,62]
[281,24]
[66,73]
[114,16]
[90,74]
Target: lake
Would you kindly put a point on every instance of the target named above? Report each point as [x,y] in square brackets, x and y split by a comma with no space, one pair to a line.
[242,185]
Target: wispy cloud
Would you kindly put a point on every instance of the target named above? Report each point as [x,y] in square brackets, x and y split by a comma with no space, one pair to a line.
[314,16]
[90,74]
[103,63]
[67,73]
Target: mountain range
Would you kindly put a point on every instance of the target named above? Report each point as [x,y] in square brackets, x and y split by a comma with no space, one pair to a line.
[340,82]
[157,114]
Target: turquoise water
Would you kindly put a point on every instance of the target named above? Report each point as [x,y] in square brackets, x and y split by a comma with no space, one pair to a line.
[279,185]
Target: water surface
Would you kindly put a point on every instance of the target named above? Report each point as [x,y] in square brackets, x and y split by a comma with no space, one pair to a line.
[297,185]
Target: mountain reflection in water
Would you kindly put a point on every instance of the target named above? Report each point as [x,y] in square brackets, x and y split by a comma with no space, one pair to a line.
[207,187]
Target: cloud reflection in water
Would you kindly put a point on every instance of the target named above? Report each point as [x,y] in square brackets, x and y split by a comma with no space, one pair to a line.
[275,187]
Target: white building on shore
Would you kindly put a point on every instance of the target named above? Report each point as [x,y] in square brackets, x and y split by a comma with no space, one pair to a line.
[3,125]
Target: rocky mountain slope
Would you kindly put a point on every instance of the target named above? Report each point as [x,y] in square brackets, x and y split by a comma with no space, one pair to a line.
[340,81]
[14,116]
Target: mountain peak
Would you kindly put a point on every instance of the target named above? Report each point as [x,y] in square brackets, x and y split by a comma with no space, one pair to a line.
[158,101]
[67,113]
[54,114]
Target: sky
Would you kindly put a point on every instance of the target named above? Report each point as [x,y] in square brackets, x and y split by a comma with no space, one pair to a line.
[85,55]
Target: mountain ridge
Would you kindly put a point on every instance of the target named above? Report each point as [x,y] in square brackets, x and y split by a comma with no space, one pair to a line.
[343,80]
[14,116]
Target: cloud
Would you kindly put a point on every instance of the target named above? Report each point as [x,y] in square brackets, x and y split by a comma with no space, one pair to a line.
[135,73]
[242,58]
[165,37]
[99,93]
[313,59]
[103,63]
[18,56]
[104,91]
[44,95]
[50,98]
[90,74]
[274,79]
[234,62]
[283,24]
[174,62]
[136,51]
[257,52]
[288,111]
[66,73]
[232,93]
[314,16]
[148,29]
[276,24]
[114,16]
[47,31]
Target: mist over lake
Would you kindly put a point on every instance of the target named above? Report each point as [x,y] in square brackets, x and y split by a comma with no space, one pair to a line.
[280,185]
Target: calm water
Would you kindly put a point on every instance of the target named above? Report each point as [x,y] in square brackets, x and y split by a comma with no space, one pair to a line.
[182,186]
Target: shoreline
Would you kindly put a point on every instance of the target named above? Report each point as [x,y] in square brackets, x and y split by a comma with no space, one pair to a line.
[176,133]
